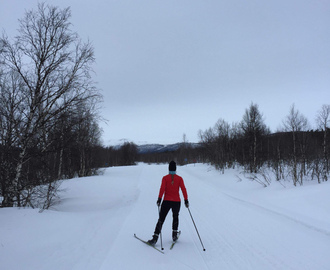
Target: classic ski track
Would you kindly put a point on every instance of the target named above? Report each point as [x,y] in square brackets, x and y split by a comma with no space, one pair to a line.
[247,203]
[309,226]
[230,238]
[229,243]
[230,234]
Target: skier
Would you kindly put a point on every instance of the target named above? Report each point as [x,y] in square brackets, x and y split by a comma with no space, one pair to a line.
[170,186]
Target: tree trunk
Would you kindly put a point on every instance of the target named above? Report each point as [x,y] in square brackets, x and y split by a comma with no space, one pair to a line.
[325,169]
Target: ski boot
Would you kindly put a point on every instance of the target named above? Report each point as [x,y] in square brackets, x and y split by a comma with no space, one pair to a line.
[174,235]
[153,241]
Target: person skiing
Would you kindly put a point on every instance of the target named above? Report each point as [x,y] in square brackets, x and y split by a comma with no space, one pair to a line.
[171,183]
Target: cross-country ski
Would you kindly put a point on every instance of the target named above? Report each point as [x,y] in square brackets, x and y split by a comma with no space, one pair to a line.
[145,242]
[174,242]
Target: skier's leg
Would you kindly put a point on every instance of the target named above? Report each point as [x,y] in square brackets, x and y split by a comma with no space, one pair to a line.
[175,210]
[165,208]
[175,225]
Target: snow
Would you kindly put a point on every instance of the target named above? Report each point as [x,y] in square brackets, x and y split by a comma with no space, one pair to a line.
[242,224]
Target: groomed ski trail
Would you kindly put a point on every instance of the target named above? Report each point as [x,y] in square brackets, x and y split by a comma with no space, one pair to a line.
[236,235]
[242,235]
[142,220]
[242,225]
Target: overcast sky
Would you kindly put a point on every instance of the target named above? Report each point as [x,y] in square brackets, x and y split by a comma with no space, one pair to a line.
[174,67]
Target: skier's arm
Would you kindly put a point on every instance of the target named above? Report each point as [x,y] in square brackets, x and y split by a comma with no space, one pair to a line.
[184,190]
[162,189]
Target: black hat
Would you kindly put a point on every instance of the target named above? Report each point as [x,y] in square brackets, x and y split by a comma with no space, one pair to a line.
[172,166]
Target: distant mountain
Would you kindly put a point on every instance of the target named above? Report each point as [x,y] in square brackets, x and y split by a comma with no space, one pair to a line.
[160,148]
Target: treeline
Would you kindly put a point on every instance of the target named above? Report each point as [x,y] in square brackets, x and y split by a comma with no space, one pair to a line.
[184,154]
[128,154]
[295,152]
[124,155]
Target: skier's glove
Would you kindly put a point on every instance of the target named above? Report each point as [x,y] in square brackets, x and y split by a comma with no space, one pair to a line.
[159,201]
[186,203]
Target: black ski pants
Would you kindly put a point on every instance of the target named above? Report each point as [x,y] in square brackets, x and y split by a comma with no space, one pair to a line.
[165,208]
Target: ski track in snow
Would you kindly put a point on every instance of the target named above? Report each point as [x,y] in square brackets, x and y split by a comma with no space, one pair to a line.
[241,229]
[93,226]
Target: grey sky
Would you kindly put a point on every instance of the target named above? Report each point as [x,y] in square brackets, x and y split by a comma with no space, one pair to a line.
[172,67]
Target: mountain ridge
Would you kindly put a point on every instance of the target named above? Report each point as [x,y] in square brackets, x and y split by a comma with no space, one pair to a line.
[160,148]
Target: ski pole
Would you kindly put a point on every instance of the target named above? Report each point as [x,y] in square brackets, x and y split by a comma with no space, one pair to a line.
[160,234]
[196,229]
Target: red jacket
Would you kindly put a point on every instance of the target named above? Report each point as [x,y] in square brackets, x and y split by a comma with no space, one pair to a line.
[170,186]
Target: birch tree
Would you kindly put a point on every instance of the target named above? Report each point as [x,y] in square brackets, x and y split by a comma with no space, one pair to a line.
[323,121]
[295,122]
[53,65]
[254,128]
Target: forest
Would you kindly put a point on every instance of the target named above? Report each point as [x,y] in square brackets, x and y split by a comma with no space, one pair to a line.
[295,153]
[49,123]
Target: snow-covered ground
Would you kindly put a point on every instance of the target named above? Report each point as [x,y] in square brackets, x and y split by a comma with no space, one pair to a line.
[242,224]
